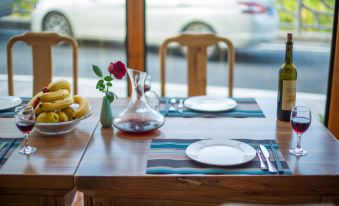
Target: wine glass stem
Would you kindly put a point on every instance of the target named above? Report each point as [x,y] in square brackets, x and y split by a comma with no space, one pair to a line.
[26,138]
[298,140]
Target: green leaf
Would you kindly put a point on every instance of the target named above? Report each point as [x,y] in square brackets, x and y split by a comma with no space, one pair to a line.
[100,83]
[110,96]
[109,84]
[108,78]
[97,71]
[102,88]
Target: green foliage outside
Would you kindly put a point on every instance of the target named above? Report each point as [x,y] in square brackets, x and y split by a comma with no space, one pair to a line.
[307,16]
[23,7]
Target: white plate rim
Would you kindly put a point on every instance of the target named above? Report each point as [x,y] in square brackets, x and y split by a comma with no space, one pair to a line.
[15,101]
[189,103]
[191,150]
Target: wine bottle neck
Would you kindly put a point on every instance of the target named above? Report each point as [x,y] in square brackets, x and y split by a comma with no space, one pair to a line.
[289,53]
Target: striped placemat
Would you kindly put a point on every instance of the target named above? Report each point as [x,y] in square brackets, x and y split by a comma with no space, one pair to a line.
[168,156]
[7,147]
[247,107]
[9,113]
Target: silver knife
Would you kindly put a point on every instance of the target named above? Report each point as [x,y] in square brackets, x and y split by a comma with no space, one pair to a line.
[271,168]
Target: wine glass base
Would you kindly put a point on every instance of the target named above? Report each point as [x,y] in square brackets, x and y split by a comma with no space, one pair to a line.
[298,152]
[27,150]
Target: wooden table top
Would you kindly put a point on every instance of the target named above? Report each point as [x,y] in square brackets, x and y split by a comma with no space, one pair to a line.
[114,165]
[108,162]
[112,153]
[54,164]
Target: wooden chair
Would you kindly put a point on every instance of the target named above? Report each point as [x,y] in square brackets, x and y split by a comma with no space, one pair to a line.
[197,60]
[41,43]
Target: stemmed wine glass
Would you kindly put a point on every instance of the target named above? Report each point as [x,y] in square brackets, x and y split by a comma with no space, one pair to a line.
[300,121]
[25,119]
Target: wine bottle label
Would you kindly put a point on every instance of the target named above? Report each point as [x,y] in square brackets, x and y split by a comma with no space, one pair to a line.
[288,94]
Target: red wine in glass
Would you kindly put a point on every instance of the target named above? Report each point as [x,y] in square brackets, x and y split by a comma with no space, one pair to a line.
[138,126]
[300,124]
[25,119]
[300,121]
[25,126]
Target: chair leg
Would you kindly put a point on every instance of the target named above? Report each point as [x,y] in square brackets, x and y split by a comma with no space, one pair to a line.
[78,199]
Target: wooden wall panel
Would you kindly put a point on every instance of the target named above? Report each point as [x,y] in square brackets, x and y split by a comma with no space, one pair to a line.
[136,34]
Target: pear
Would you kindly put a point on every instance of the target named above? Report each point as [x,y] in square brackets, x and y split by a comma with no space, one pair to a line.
[48,117]
[62,116]
[69,111]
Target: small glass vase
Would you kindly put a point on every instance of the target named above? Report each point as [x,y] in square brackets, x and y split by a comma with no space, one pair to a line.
[106,115]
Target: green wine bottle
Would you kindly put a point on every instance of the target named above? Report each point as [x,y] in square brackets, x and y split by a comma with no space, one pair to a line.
[287,83]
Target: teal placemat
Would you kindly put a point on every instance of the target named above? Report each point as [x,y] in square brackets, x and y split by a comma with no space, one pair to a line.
[7,147]
[247,107]
[2,145]
[168,156]
[9,113]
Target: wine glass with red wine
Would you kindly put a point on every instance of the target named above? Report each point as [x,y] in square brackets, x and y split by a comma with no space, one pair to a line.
[300,120]
[25,119]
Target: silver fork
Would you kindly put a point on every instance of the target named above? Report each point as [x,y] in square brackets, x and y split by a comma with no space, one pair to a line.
[258,151]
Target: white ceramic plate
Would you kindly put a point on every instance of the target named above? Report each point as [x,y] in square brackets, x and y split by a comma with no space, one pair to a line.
[210,104]
[220,152]
[7,102]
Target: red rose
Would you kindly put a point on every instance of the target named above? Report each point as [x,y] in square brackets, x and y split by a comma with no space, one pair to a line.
[110,68]
[118,70]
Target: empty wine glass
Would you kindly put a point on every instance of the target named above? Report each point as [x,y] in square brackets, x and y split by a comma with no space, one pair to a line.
[300,121]
[25,119]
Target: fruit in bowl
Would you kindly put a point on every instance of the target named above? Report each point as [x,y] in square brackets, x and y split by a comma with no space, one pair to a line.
[57,112]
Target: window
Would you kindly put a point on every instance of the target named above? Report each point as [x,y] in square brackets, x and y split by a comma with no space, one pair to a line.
[258,31]
[98,26]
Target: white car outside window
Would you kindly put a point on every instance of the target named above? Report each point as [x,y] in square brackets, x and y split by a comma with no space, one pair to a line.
[244,22]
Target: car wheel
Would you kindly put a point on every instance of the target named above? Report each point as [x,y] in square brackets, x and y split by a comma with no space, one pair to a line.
[57,22]
[199,27]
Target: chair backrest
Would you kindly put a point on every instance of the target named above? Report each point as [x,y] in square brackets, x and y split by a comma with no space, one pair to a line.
[197,60]
[41,43]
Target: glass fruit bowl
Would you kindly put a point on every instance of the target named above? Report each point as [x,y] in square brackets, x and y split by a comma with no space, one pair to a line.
[58,128]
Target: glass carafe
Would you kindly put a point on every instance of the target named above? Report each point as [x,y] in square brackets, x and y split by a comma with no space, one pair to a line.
[138,116]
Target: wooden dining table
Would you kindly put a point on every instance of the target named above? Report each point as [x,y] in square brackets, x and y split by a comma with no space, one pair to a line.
[113,168]
[109,166]
[47,176]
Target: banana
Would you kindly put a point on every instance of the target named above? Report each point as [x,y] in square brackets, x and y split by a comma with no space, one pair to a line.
[53,96]
[59,104]
[33,101]
[62,116]
[83,106]
[48,117]
[59,84]
[38,110]
[69,111]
